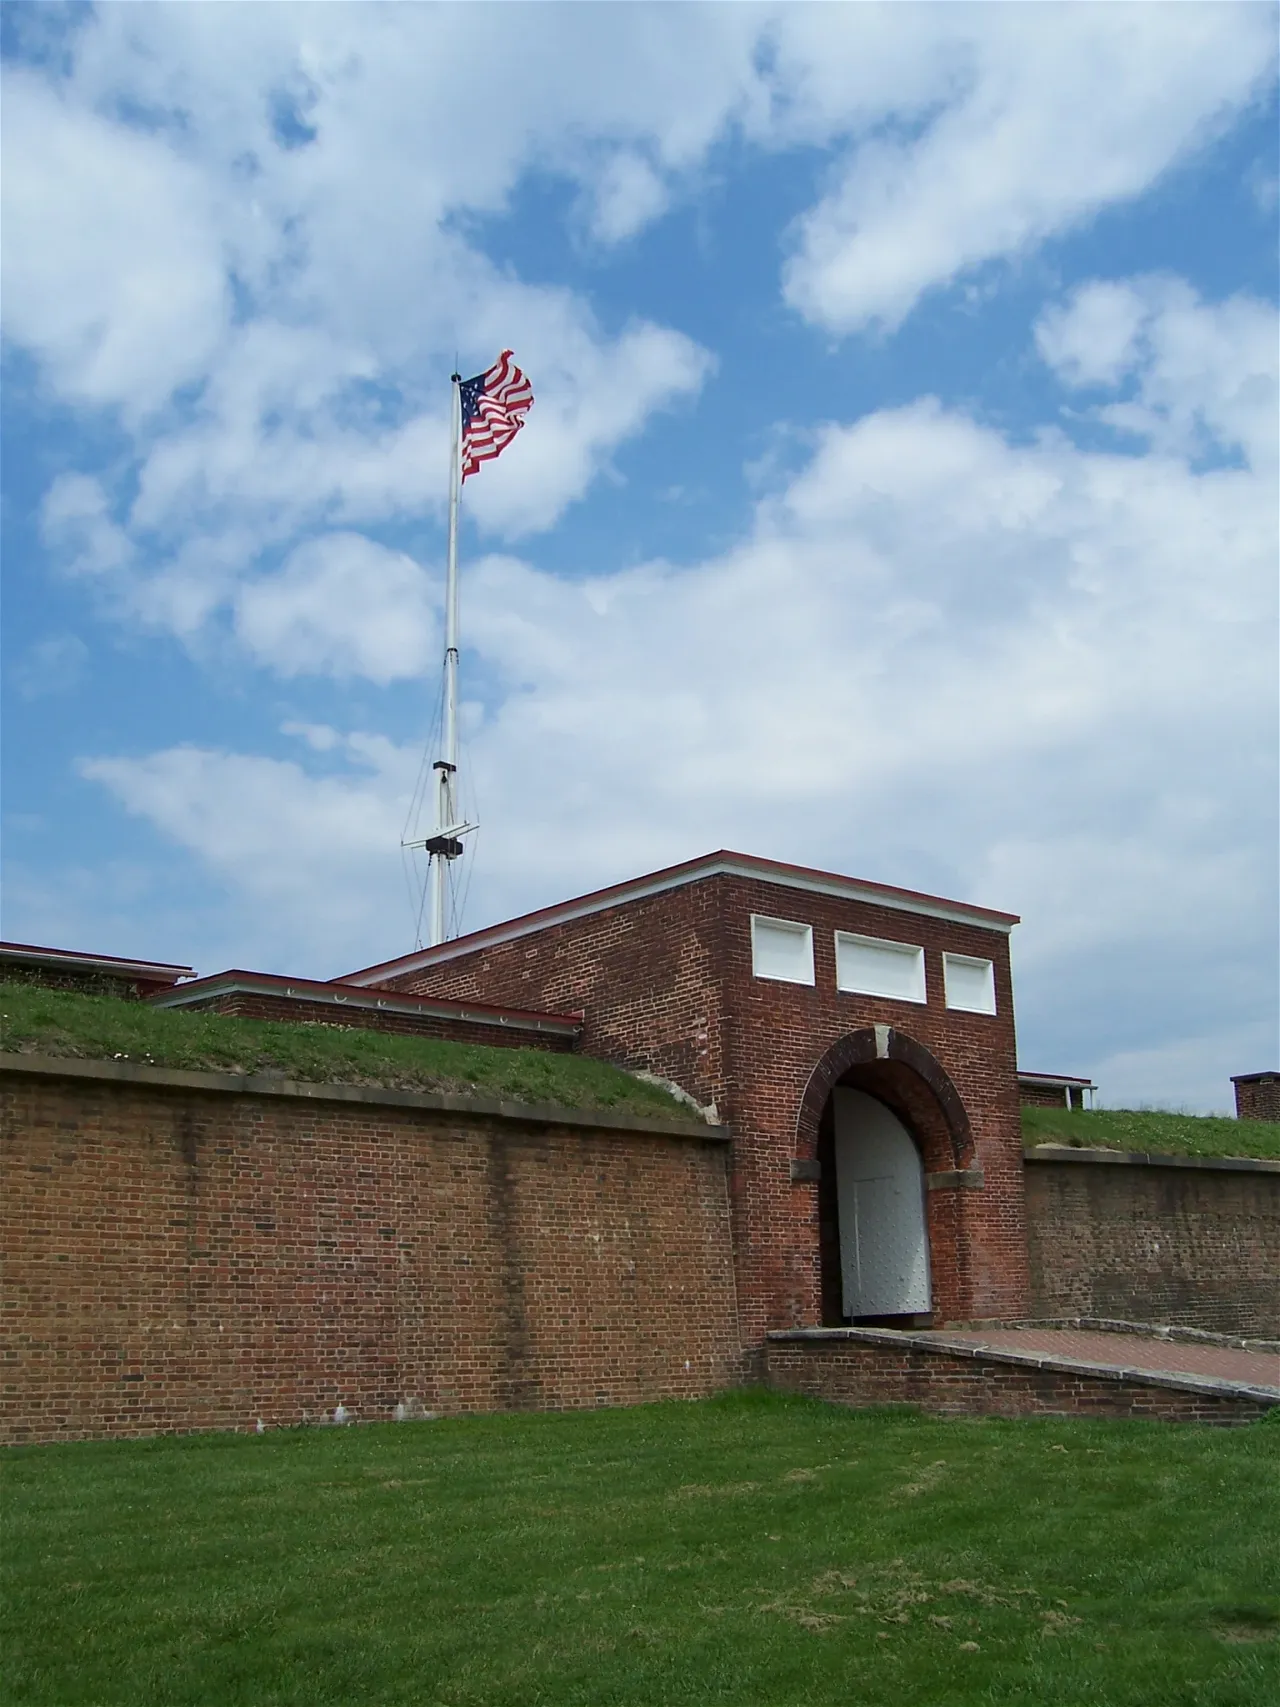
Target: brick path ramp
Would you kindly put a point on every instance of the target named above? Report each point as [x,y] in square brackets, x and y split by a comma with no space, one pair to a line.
[1126,1351]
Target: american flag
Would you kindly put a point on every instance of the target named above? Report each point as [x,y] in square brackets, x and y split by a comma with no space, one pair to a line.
[493,409]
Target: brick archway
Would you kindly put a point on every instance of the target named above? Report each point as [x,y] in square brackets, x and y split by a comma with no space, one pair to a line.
[863,1048]
[913,1084]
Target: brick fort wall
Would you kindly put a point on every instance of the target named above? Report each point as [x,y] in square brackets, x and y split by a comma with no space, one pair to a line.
[178,1257]
[1164,1240]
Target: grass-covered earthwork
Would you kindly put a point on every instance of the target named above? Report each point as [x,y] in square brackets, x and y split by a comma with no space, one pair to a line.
[1152,1131]
[34,1020]
[55,1022]
[748,1550]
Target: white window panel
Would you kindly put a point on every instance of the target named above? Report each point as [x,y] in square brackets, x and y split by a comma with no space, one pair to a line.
[781,949]
[971,984]
[869,966]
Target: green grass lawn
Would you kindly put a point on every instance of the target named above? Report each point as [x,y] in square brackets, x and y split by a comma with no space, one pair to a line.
[57,1022]
[752,1549]
[1151,1130]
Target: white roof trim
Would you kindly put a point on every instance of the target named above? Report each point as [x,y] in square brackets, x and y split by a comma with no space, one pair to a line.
[841,888]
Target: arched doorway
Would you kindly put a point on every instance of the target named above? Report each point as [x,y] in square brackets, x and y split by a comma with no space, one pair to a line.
[883,1231]
[900,1172]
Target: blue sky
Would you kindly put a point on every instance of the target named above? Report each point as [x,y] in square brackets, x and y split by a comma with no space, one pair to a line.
[899,496]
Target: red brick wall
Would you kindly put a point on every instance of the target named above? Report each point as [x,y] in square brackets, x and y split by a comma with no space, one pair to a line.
[243,1004]
[1194,1246]
[179,1259]
[644,973]
[944,1383]
[781,1031]
[666,983]
[1258,1099]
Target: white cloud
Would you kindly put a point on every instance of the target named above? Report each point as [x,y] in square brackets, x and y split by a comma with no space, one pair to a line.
[1034,118]
[628,195]
[113,265]
[1094,340]
[287,841]
[76,523]
[126,239]
[341,606]
[1206,374]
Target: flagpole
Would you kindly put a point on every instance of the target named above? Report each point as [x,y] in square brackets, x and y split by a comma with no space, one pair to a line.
[446,767]
[507,396]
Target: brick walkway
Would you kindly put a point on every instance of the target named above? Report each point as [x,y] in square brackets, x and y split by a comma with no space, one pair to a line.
[1126,1351]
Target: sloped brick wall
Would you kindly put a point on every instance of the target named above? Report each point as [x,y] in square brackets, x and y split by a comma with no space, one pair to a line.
[863,1368]
[181,1253]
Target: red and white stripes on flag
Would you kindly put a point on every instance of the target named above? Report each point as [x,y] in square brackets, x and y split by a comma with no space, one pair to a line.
[494,405]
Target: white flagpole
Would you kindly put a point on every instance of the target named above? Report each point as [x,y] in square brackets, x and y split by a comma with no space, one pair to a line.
[446,767]
[444,845]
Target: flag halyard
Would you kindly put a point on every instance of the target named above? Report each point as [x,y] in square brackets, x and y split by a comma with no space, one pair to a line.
[494,405]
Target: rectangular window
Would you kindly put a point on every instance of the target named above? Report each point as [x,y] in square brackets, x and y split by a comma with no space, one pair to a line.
[868,966]
[971,984]
[780,949]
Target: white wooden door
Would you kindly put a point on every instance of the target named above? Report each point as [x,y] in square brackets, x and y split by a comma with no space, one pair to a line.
[884,1241]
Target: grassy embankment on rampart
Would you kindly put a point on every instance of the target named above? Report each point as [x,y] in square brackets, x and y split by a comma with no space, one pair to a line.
[54,1022]
[36,1021]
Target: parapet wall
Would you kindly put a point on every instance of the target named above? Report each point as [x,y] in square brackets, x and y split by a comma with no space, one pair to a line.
[188,1251]
[1178,1239]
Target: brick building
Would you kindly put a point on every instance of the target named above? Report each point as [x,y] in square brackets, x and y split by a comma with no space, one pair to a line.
[1056,1090]
[1257,1096]
[858,1039]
